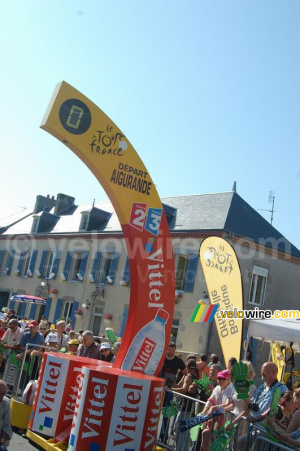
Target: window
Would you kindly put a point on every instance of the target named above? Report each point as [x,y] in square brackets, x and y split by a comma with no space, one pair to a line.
[258,286]
[104,267]
[35,225]
[4,263]
[84,222]
[26,263]
[181,265]
[39,311]
[76,261]
[174,330]
[96,319]
[67,309]
[48,264]
[185,270]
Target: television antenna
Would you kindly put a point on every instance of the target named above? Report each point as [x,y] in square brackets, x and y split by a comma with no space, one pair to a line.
[272,201]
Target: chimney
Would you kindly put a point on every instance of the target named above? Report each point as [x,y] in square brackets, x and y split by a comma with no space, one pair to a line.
[43,204]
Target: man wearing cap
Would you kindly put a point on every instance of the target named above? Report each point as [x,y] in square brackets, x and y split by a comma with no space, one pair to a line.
[33,337]
[89,348]
[106,352]
[51,345]
[73,346]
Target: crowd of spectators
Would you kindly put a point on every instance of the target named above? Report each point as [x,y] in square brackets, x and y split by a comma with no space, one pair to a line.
[220,395]
[20,335]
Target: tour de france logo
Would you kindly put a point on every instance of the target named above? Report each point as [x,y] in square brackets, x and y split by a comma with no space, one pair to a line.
[75,116]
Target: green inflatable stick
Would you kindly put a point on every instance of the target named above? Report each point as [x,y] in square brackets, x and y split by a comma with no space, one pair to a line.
[274,403]
[110,333]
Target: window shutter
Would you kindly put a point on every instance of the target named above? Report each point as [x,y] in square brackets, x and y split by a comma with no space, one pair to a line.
[85,256]
[32,261]
[32,311]
[20,264]
[124,321]
[58,307]
[72,316]
[1,257]
[11,260]
[47,308]
[55,263]
[23,309]
[191,273]
[113,266]
[126,274]
[42,264]
[67,264]
[96,264]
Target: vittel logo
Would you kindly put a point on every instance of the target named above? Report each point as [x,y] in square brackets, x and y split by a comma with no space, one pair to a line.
[144,355]
[93,420]
[48,394]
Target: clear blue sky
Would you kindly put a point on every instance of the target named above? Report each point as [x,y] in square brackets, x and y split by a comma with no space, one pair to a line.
[208,93]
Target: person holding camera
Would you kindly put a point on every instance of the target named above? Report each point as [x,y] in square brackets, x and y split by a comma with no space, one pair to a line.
[261,401]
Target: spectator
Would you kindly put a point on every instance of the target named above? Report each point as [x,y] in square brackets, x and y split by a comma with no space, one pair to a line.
[231,362]
[44,329]
[221,397]
[62,338]
[22,322]
[80,332]
[11,314]
[239,404]
[89,348]
[182,438]
[51,345]
[106,352]
[172,364]
[116,348]
[72,334]
[12,337]
[69,326]
[6,432]
[262,398]
[33,337]
[214,360]
[202,366]
[73,346]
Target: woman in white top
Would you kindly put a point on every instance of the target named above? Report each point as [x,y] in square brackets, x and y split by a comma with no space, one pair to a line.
[240,405]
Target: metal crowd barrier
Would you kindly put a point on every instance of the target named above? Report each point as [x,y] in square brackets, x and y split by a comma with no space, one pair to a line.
[255,440]
[169,435]
[17,374]
[263,444]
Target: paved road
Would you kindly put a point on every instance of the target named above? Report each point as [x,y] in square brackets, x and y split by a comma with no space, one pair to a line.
[18,443]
